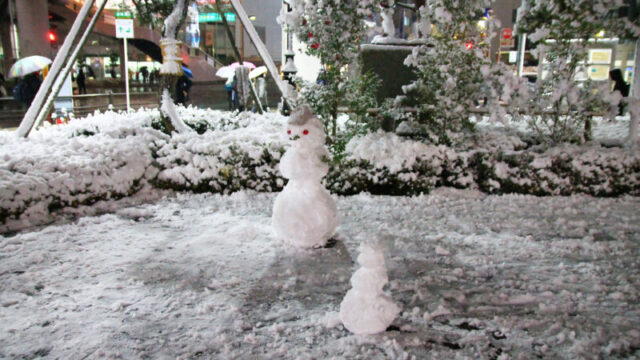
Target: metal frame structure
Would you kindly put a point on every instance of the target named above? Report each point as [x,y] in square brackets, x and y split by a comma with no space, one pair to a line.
[61,65]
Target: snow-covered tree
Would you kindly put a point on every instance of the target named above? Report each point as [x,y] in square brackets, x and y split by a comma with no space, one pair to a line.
[332,30]
[453,68]
[562,29]
[170,16]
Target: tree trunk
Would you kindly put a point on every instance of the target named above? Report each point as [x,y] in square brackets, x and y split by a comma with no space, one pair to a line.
[168,81]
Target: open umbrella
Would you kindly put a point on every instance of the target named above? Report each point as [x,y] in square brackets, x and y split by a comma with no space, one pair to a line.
[257,72]
[225,72]
[228,71]
[28,65]
[245,63]
[187,72]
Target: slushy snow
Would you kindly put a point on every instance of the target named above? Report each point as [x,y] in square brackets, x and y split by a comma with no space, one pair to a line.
[304,214]
[366,309]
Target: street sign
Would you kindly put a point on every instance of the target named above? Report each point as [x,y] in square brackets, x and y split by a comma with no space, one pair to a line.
[507,43]
[507,33]
[124,28]
[506,38]
[215,17]
[123,15]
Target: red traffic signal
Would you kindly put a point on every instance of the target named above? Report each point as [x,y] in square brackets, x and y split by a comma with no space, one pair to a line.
[51,35]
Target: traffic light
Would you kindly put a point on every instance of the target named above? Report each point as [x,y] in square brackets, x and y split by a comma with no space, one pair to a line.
[52,36]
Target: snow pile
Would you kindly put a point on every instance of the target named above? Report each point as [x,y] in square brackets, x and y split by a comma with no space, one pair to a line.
[59,166]
[304,214]
[366,309]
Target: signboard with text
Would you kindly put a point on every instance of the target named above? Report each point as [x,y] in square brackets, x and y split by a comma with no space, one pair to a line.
[506,38]
[123,14]
[124,28]
[215,17]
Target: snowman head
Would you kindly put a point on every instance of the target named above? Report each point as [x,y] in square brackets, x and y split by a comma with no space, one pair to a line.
[304,129]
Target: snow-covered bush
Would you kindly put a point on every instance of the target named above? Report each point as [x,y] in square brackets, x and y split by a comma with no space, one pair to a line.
[454,71]
[107,157]
[383,163]
[333,31]
[114,155]
[562,107]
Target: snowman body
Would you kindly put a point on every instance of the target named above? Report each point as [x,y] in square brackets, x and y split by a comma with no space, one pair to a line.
[366,309]
[304,214]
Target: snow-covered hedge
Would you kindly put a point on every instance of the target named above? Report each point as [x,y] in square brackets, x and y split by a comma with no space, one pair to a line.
[384,163]
[73,165]
[224,161]
[113,155]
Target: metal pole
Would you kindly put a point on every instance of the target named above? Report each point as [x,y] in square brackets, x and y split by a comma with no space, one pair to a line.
[65,72]
[126,73]
[254,96]
[522,40]
[30,117]
[632,137]
[636,78]
[15,50]
[262,50]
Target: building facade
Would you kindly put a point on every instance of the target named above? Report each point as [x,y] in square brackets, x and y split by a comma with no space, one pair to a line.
[25,28]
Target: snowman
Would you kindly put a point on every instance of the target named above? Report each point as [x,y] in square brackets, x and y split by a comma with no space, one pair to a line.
[366,309]
[304,214]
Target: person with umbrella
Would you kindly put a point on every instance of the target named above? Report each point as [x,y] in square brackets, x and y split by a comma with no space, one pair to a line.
[229,87]
[29,69]
[231,84]
[27,88]
[183,86]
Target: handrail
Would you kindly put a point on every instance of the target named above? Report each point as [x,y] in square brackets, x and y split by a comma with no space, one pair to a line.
[206,56]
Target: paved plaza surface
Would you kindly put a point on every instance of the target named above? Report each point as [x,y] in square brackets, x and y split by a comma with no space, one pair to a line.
[202,277]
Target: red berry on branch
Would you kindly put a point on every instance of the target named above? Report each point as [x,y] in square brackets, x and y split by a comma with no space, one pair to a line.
[310,35]
[304,21]
[315,46]
[327,22]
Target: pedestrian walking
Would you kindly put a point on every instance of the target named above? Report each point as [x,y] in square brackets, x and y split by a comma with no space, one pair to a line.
[81,80]
[229,88]
[182,89]
[27,88]
[620,85]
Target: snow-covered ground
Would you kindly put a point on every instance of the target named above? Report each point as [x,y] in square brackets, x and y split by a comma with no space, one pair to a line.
[202,277]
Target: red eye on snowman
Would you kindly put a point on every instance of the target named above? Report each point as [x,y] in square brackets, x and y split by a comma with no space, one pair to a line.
[305,132]
[289,131]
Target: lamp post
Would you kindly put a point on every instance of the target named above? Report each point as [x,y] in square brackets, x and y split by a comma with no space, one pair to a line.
[289,69]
